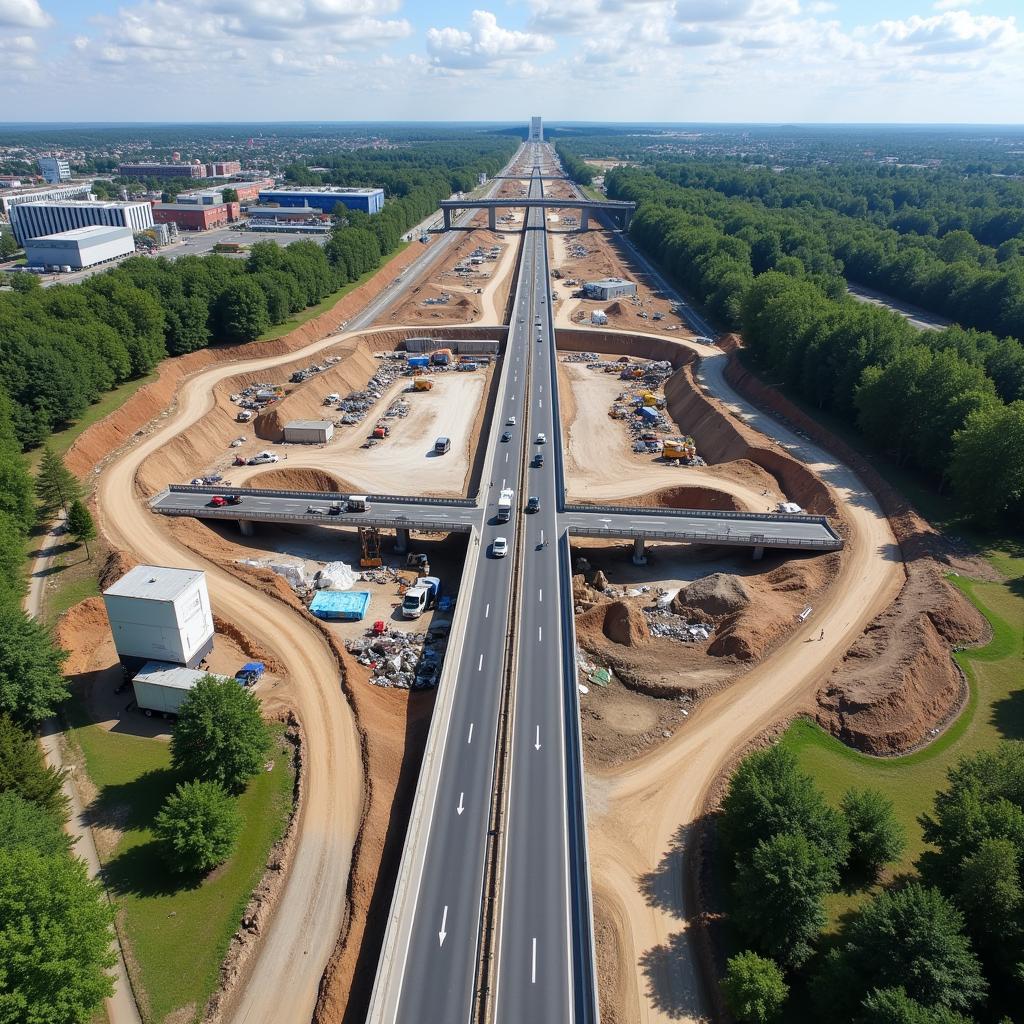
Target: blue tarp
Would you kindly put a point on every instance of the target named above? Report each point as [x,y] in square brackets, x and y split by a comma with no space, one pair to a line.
[419,360]
[649,414]
[340,604]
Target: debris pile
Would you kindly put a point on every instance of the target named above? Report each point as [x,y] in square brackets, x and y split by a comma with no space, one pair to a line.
[661,622]
[407,661]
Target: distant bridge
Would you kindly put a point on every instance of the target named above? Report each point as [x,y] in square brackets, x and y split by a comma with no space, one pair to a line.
[623,210]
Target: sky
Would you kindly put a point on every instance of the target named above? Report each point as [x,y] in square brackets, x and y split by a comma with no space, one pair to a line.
[771,61]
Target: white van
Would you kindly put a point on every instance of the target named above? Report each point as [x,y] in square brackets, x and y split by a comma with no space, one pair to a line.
[415,602]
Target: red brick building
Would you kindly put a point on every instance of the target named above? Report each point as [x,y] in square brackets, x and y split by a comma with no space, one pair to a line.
[195,216]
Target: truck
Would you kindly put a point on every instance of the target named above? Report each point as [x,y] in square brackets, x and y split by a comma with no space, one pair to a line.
[162,687]
[420,597]
[505,505]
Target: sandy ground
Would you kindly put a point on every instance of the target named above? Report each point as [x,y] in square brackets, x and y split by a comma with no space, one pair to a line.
[480,296]
[600,462]
[315,889]
[403,463]
[641,815]
[604,259]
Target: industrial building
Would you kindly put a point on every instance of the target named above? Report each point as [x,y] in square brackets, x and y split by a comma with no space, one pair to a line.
[160,614]
[369,200]
[223,168]
[80,247]
[44,193]
[53,169]
[609,288]
[300,219]
[195,216]
[248,191]
[308,431]
[192,170]
[163,687]
[536,130]
[35,219]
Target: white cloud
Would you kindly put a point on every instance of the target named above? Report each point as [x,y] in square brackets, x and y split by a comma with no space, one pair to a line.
[23,14]
[735,10]
[949,33]
[954,5]
[486,44]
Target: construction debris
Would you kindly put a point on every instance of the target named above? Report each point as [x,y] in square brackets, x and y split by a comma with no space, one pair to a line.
[407,661]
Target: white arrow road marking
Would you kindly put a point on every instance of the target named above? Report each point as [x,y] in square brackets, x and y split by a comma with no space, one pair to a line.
[444,921]
[536,744]
[461,807]
[469,738]
[533,969]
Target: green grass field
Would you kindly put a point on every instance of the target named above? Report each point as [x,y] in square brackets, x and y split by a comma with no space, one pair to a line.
[176,932]
[995,711]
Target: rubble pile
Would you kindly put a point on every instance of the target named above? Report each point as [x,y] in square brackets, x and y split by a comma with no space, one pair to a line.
[662,622]
[407,661]
[384,575]
[258,396]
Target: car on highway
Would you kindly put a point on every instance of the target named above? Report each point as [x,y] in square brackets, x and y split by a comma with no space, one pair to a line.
[507,436]
[263,458]
[316,510]
[219,500]
[510,422]
[533,503]
[538,459]
[499,548]
[541,439]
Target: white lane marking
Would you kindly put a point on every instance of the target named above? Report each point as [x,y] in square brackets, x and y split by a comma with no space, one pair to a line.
[487,611]
[540,633]
[469,738]
[480,664]
[649,522]
[506,456]
[540,595]
[540,404]
[533,969]
[462,806]
[444,921]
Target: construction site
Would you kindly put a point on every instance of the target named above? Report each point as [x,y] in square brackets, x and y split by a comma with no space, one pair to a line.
[683,659]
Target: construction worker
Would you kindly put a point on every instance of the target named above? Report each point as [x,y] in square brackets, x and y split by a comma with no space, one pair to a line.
[822,636]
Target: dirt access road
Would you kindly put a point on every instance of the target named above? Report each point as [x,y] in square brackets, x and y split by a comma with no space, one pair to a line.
[282,987]
[642,815]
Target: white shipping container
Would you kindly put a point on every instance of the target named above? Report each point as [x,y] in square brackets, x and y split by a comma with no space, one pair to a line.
[161,686]
[161,614]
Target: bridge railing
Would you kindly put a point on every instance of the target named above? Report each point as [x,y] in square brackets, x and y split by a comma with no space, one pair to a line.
[351,519]
[691,513]
[267,492]
[706,537]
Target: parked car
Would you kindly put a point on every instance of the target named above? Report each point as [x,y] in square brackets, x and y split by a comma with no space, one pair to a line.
[500,547]
[263,458]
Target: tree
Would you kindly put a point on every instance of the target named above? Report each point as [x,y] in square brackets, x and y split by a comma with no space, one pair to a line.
[243,311]
[24,772]
[55,932]
[8,245]
[769,795]
[23,284]
[777,896]
[198,826]
[220,736]
[876,837]
[914,938]
[754,988]
[990,893]
[230,195]
[80,523]
[987,467]
[56,486]
[894,1006]
[23,823]
[31,680]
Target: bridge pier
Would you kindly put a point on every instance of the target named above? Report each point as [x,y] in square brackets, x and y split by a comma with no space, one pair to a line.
[584,218]
[627,216]
[758,553]
[447,219]
[246,527]
[639,558]
[401,541]
[492,218]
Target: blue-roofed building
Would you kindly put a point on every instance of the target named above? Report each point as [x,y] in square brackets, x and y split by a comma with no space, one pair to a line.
[326,198]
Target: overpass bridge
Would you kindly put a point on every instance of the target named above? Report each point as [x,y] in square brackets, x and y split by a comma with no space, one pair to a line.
[623,210]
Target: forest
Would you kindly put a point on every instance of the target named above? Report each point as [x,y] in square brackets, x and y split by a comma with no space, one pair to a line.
[950,402]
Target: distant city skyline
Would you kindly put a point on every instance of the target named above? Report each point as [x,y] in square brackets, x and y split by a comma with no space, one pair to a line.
[677,61]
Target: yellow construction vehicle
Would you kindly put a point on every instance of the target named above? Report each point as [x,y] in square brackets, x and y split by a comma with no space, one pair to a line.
[369,542]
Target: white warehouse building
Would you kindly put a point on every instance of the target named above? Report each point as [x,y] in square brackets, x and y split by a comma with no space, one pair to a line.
[80,248]
[34,219]
[160,614]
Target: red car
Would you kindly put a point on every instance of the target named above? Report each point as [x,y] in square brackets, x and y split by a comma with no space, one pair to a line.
[219,500]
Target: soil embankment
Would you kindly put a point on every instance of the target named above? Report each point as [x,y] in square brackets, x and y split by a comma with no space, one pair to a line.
[897,684]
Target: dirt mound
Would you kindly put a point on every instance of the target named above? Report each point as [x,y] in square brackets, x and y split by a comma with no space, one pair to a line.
[717,594]
[615,309]
[625,624]
[464,303]
[706,499]
[578,339]
[299,480]
[116,565]
[898,682]
[80,630]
